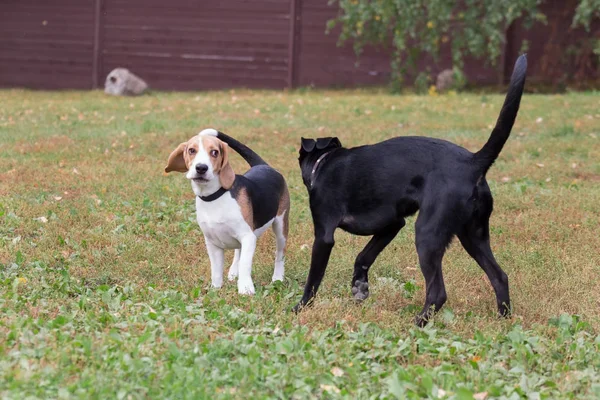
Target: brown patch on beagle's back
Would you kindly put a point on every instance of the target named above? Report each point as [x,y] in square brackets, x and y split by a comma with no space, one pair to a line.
[245,203]
[284,208]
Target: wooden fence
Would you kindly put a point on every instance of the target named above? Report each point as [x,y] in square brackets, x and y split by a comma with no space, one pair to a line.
[216,44]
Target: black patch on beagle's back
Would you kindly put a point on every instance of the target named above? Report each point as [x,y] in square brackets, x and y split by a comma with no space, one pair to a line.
[264,186]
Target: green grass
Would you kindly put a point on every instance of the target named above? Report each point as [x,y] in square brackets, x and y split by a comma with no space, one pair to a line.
[104,277]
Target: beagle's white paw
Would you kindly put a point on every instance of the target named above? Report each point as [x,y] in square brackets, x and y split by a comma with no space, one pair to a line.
[233,273]
[246,287]
[277,277]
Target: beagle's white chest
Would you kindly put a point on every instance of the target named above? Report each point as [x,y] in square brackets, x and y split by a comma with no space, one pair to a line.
[221,221]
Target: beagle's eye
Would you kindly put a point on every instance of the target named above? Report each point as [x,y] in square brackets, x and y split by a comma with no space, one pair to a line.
[214,153]
[192,150]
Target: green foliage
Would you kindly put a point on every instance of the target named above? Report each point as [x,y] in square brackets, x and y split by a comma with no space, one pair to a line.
[586,11]
[416,27]
[107,296]
[131,342]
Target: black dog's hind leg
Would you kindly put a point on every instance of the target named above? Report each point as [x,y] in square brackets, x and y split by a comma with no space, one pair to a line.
[475,238]
[432,239]
[366,258]
[320,257]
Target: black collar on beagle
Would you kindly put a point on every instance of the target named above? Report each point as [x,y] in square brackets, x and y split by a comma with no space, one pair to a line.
[214,196]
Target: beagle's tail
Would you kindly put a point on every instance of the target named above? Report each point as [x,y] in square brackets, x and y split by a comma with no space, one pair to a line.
[485,157]
[247,154]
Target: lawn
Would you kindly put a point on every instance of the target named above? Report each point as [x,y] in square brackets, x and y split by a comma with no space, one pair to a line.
[105,278]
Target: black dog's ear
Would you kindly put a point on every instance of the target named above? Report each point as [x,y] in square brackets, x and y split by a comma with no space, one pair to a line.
[308,145]
[323,143]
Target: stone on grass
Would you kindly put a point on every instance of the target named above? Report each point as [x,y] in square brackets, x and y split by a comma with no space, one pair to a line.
[445,80]
[122,82]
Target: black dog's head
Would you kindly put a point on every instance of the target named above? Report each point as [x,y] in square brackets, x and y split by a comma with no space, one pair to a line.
[311,150]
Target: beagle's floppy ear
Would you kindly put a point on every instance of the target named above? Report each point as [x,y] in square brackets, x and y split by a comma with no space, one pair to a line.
[226,174]
[308,145]
[176,161]
[324,143]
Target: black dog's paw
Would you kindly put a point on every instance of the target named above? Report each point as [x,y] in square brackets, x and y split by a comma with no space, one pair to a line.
[421,320]
[504,311]
[360,290]
[296,309]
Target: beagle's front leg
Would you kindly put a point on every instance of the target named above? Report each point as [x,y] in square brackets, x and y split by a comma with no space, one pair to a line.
[245,284]
[217,259]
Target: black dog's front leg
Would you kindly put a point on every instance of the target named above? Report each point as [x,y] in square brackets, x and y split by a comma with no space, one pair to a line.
[320,257]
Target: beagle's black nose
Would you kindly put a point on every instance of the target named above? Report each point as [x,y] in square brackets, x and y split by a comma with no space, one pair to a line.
[201,168]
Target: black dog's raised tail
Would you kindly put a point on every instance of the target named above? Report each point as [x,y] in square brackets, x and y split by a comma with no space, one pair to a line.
[485,157]
[247,154]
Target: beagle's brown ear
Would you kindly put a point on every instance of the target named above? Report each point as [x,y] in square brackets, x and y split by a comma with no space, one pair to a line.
[226,174]
[176,161]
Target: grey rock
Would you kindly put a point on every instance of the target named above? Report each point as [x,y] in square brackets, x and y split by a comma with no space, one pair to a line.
[122,82]
[445,80]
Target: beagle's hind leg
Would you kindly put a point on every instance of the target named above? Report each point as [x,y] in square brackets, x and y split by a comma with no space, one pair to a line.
[280,228]
[234,269]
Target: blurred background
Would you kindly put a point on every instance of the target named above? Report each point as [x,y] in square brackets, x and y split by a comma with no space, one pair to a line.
[275,44]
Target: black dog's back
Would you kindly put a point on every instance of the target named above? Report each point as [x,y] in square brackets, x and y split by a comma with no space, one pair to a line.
[370,190]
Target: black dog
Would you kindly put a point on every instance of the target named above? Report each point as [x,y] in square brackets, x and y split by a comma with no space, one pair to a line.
[369,190]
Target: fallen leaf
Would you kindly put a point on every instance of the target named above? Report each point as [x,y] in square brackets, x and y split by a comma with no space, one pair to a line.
[540,165]
[330,388]
[57,198]
[76,172]
[336,371]
[43,220]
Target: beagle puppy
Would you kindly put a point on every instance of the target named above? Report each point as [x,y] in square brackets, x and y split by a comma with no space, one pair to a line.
[232,210]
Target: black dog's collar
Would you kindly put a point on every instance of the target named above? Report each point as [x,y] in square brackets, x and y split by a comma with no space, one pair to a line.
[214,196]
[312,174]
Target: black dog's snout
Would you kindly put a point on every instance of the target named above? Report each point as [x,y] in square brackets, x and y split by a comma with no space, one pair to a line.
[201,168]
